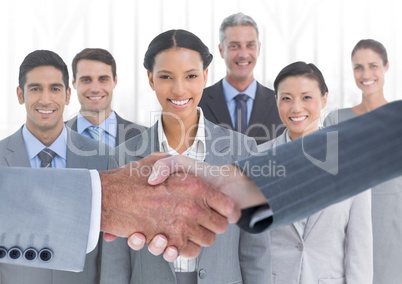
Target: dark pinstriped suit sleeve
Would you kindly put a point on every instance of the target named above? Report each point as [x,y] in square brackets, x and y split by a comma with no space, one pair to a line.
[362,152]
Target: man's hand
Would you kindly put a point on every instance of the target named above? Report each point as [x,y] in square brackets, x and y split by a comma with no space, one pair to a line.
[227,179]
[183,208]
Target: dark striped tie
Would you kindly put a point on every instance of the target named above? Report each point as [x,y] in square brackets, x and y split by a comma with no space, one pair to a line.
[241,113]
[46,156]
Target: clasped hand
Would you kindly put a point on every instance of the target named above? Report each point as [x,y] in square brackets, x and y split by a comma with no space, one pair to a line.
[174,209]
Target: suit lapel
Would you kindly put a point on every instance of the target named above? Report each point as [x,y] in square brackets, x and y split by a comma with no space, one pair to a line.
[74,146]
[171,264]
[262,107]
[217,104]
[72,123]
[121,126]
[280,140]
[151,134]
[311,221]
[18,156]
[214,146]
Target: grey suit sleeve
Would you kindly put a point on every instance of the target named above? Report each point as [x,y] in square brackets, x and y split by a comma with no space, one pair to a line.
[45,209]
[362,152]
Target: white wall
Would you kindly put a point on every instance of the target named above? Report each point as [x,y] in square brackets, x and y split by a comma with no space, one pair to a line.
[319,31]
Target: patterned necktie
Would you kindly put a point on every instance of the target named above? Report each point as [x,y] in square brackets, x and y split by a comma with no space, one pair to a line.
[95,132]
[46,156]
[241,113]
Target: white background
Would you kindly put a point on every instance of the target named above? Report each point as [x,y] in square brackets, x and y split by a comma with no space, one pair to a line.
[319,31]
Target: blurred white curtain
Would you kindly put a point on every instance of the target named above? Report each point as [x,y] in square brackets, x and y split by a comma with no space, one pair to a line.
[319,31]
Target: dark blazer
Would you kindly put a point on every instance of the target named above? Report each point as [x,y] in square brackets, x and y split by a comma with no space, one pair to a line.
[125,130]
[264,124]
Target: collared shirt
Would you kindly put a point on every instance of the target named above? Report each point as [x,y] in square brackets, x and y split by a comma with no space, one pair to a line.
[230,93]
[196,151]
[34,146]
[109,125]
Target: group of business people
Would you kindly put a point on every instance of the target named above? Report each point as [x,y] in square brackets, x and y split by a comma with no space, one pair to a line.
[45,141]
[177,67]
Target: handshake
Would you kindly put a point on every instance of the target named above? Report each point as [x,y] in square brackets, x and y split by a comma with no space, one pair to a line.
[181,204]
[176,204]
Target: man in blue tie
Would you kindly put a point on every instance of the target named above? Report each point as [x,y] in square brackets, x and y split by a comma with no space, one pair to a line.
[44,141]
[94,78]
[238,101]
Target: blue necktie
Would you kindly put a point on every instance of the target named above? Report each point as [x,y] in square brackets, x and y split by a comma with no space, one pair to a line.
[241,113]
[95,132]
[46,156]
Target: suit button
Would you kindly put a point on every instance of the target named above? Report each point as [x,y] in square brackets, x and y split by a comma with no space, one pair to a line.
[30,254]
[45,254]
[3,252]
[14,253]
[300,246]
[202,273]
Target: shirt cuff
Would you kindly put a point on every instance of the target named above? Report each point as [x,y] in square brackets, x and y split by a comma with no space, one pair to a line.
[259,215]
[94,228]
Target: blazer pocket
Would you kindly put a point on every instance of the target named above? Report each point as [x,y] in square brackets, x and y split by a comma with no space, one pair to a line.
[332,281]
[273,278]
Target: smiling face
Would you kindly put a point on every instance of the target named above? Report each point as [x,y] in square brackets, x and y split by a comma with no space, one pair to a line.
[369,71]
[178,80]
[299,104]
[240,50]
[94,84]
[45,96]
